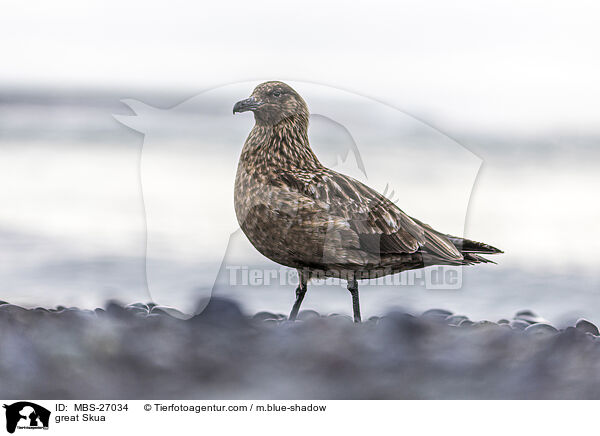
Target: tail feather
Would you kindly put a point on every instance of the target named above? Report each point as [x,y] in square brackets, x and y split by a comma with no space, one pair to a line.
[471,258]
[467,246]
[471,250]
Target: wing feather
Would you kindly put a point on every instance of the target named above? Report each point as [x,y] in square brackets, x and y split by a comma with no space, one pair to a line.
[380,226]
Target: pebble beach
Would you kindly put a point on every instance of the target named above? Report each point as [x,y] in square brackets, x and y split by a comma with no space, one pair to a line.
[144,351]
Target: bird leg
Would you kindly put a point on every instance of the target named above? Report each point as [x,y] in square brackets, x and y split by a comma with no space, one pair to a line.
[300,291]
[353,288]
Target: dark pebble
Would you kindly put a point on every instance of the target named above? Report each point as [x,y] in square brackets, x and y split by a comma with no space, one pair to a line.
[263,316]
[466,323]
[530,317]
[308,314]
[519,324]
[455,319]
[139,305]
[341,318]
[400,325]
[440,314]
[503,321]
[288,324]
[271,321]
[169,311]
[541,329]
[525,312]
[221,311]
[586,326]
[115,310]
[136,310]
[485,324]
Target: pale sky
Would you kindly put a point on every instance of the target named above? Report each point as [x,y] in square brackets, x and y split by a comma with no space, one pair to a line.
[480,65]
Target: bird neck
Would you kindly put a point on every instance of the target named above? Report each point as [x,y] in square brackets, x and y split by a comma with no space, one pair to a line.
[284,145]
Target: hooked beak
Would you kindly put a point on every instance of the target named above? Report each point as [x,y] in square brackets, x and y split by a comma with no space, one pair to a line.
[250,104]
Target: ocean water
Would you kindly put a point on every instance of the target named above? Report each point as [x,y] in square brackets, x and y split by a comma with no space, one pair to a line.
[103,199]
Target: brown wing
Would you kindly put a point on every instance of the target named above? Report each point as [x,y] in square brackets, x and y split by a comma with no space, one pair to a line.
[381,227]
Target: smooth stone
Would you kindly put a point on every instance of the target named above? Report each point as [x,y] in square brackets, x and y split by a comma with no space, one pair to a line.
[170,311]
[525,312]
[262,316]
[289,324]
[485,324]
[541,329]
[220,311]
[519,324]
[530,317]
[455,319]
[503,321]
[271,321]
[136,310]
[586,326]
[338,317]
[139,305]
[114,309]
[466,323]
[436,313]
[308,314]
[405,324]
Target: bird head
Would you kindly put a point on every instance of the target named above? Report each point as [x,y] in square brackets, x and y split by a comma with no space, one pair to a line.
[274,102]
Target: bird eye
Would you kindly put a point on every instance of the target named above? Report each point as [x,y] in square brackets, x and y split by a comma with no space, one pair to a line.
[276,93]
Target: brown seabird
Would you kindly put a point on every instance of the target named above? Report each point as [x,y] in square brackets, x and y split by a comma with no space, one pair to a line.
[300,214]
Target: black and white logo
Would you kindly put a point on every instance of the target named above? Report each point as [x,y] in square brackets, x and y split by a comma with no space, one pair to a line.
[26,415]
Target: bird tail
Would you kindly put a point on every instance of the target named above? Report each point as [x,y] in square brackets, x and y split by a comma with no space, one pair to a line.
[471,250]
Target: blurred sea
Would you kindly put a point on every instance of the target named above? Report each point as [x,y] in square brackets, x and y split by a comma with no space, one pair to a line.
[73,217]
